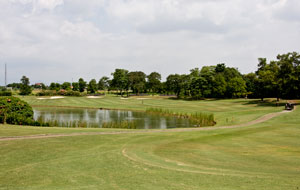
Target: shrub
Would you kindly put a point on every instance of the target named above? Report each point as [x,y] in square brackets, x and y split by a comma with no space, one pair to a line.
[46,93]
[5,93]
[60,93]
[72,93]
[15,111]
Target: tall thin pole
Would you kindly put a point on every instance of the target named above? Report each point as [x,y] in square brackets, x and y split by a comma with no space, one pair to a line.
[5,75]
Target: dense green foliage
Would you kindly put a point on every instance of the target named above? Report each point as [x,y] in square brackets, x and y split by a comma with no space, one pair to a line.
[5,93]
[14,85]
[15,111]
[40,86]
[103,83]
[66,86]
[92,86]
[75,86]
[137,81]
[154,82]
[55,86]
[120,80]
[279,78]
[81,84]
[58,93]
[25,88]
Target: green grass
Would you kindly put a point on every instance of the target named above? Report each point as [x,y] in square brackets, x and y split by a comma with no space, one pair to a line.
[15,131]
[263,156]
[226,112]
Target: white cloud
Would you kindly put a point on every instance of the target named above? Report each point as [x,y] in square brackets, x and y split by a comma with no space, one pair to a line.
[47,4]
[40,4]
[85,30]
[75,38]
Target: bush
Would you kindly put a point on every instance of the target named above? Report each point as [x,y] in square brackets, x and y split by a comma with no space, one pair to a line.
[72,93]
[59,93]
[5,93]
[46,93]
[15,111]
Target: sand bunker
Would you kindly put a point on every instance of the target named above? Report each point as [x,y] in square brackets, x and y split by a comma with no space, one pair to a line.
[143,98]
[51,98]
[94,97]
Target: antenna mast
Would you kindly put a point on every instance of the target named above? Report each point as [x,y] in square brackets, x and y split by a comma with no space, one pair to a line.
[5,75]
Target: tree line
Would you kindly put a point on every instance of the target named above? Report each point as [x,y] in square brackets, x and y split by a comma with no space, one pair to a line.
[279,78]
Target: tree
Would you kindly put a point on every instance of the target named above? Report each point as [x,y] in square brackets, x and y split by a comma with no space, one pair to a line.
[66,86]
[218,86]
[251,85]
[289,75]
[14,85]
[174,84]
[154,82]
[208,72]
[120,80]
[103,83]
[230,73]
[75,86]
[82,85]
[186,81]
[137,81]
[266,82]
[25,88]
[236,87]
[220,68]
[194,73]
[55,86]
[197,85]
[92,86]
[39,86]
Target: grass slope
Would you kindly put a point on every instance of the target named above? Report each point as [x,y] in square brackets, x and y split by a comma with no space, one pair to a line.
[263,156]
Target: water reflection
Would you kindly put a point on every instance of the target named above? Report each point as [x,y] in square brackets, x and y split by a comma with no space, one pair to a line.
[97,116]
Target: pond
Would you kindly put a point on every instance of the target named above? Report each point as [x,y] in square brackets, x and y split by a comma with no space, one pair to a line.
[96,117]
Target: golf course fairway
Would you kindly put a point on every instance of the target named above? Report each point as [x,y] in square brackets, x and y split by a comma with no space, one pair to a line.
[265,155]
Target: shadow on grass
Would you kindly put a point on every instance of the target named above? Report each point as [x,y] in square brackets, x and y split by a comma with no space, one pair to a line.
[195,100]
[257,102]
[264,103]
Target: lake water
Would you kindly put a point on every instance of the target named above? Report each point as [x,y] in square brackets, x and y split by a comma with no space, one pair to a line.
[95,117]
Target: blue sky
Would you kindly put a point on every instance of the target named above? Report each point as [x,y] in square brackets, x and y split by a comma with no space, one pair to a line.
[61,40]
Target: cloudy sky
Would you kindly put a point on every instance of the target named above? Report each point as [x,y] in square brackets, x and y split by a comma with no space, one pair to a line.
[61,40]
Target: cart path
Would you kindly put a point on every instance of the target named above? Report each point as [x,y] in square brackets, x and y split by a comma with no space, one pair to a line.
[43,136]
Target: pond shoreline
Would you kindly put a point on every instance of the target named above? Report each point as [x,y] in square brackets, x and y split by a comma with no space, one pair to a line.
[92,117]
